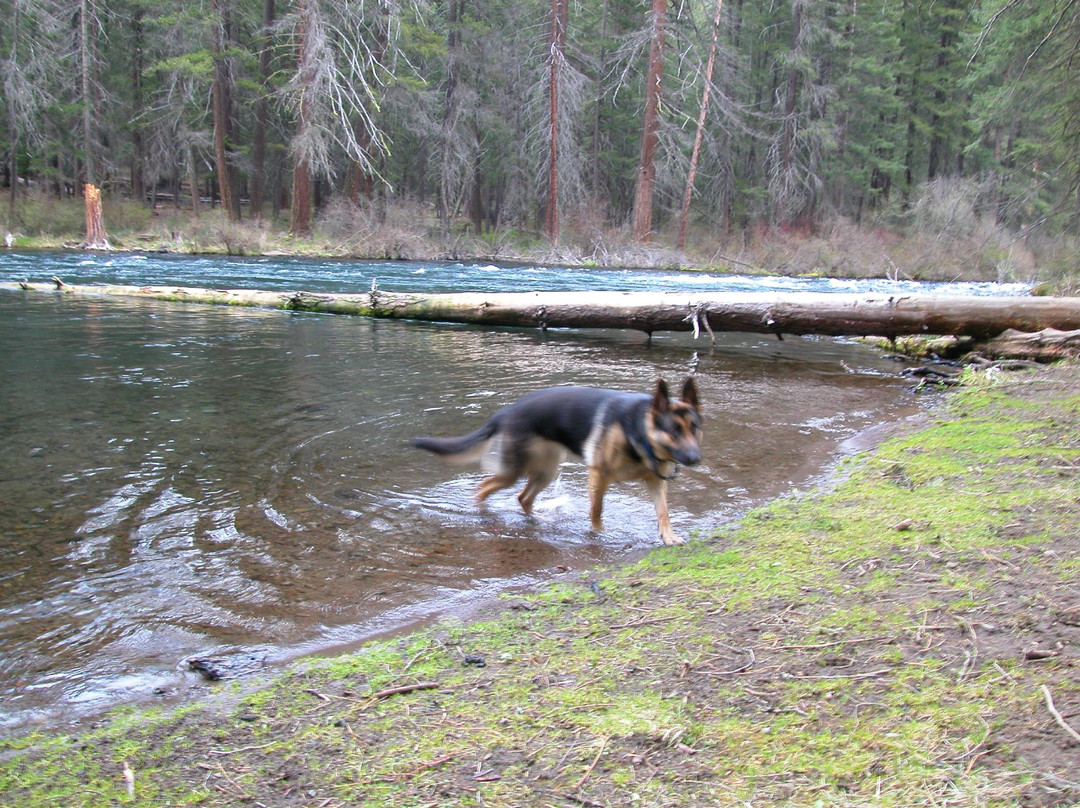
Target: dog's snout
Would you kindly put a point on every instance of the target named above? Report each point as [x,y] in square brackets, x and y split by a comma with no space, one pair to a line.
[689,456]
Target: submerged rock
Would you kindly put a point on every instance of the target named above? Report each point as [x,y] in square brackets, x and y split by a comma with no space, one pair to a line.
[229,664]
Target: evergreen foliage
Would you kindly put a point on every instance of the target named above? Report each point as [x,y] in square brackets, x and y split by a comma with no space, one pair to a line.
[818,109]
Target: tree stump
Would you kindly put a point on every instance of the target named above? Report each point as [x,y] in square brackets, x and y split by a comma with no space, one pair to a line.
[96,237]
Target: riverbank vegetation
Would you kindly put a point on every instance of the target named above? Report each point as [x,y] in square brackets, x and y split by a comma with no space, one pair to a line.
[964,247]
[907,636]
[928,140]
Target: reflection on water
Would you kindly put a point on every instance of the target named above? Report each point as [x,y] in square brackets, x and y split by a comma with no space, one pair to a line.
[179,480]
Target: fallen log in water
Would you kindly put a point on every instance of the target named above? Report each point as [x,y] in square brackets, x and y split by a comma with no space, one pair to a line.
[826,314]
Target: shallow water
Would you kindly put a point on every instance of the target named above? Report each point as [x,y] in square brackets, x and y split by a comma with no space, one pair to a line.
[181,480]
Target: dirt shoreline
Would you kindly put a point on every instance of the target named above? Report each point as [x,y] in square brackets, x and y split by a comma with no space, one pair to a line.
[907,636]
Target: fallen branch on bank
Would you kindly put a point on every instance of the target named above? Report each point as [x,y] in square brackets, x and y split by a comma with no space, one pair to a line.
[397,691]
[816,313]
[1059,719]
[1047,345]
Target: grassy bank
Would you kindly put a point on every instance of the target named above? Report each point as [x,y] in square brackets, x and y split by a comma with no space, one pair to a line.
[895,640]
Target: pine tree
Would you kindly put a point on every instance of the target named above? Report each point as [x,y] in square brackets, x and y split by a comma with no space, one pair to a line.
[642,223]
[224,120]
[1022,76]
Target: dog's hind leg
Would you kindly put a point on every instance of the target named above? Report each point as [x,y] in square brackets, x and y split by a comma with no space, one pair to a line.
[541,467]
[505,460]
[496,482]
[536,483]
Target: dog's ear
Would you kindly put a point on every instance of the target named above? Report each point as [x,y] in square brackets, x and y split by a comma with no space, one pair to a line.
[661,400]
[689,393]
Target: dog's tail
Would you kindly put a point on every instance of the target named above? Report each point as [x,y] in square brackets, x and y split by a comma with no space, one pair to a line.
[467,447]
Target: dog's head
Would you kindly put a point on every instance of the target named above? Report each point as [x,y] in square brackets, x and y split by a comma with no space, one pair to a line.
[675,427]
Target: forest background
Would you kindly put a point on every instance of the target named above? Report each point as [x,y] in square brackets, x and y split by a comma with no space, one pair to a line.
[919,138]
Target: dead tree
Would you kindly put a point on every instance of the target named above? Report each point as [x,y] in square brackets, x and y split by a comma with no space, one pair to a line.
[96,237]
[641,225]
[559,21]
[700,131]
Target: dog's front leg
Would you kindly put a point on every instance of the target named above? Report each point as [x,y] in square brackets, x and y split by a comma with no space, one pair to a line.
[598,485]
[658,490]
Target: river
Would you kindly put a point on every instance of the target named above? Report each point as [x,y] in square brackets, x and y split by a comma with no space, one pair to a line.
[180,480]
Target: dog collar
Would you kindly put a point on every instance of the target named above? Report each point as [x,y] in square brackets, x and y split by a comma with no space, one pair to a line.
[654,461]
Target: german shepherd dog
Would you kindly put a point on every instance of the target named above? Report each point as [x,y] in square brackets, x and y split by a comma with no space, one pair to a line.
[620,436]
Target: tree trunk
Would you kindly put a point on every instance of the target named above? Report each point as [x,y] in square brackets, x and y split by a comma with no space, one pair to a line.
[13,122]
[455,13]
[361,182]
[791,90]
[96,237]
[750,312]
[942,128]
[138,141]
[223,114]
[476,196]
[193,181]
[262,113]
[559,21]
[782,210]
[699,134]
[302,171]
[362,173]
[641,226]
[301,197]
[86,81]
[601,70]
[13,171]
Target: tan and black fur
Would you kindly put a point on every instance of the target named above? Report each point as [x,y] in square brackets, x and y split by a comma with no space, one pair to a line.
[620,436]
